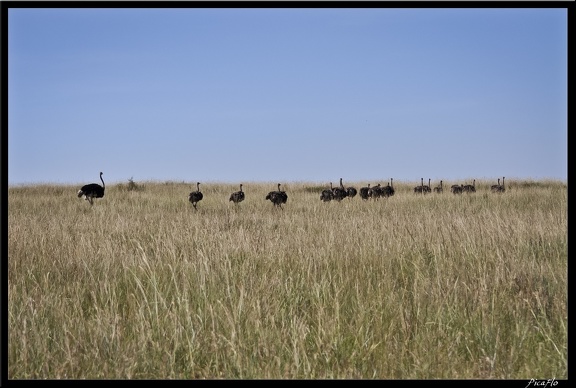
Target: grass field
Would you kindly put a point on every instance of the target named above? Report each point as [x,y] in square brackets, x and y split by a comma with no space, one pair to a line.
[142,286]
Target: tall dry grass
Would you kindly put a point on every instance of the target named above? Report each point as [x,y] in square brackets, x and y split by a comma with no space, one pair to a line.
[142,286]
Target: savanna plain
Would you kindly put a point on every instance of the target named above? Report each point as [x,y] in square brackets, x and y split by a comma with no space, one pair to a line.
[141,285]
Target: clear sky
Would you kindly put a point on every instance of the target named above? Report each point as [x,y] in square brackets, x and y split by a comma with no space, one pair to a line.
[281,95]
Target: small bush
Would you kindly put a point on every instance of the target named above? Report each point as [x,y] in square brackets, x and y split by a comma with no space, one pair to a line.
[132,186]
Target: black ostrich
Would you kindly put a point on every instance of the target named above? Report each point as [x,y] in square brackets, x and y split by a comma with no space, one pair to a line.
[327,194]
[457,189]
[365,192]
[195,196]
[339,192]
[499,188]
[388,191]
[427,189]
[351,191]
[237,196]
[495,188]
[439,189]
[92,190]
[420,189]
[376,192]
[470,188]
[277,197]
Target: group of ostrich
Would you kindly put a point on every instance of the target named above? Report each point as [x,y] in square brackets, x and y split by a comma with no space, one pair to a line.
[458,189]
[279,197]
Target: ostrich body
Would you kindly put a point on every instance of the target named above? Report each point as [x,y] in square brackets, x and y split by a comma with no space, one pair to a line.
[470,188]
[500,188]
[277,197]
[420,189]
[365,192]
[195,196]
[457,189]
[439,189]
[375,192]
[495,188]
[340,192]
[92,190]
[327,194]
[351,192]
[237,196]
[388,191]
[426,189]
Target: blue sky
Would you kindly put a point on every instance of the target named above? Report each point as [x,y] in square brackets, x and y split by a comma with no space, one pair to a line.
[281,95]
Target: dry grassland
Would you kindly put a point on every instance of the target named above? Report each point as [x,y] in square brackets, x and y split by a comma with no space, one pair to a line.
[142,286]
